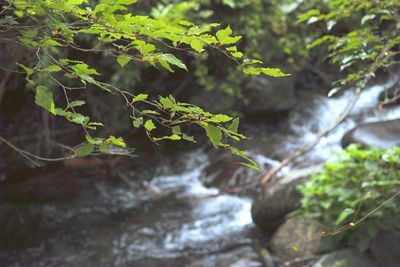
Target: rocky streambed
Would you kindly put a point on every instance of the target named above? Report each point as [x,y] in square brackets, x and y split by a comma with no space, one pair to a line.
[181,210]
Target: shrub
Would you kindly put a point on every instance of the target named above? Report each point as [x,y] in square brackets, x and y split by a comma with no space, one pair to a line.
[355,195]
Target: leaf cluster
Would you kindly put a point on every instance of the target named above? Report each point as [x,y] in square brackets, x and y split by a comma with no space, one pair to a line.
[48,27]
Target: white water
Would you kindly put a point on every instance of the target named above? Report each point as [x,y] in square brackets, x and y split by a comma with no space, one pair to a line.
[178,217]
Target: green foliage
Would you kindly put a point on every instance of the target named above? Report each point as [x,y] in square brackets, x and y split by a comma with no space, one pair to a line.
[367,41]
[347,195]
[113,28]
[267,31]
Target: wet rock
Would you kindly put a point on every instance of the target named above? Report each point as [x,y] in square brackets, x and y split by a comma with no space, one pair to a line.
[237,257]
[48,186]
[296,239]
[386,248]
[280,198]
[345,258]
[269,95]
[383,134]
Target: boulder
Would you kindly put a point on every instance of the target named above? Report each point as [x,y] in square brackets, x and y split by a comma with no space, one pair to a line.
[267,95]
[383,134]
[280,198]
[386,248]
[297,238]
[345,258]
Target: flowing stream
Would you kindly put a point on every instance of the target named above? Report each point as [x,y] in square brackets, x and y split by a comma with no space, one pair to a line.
[177,221]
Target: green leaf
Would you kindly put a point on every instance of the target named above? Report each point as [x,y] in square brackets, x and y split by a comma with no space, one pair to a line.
[220,118]
[166,102]
[344,215]
[170,137]
[214,134]
[137,122]
[196,45]
[237,54]
[123,60]
[225,38]
[185,23]
[84,150]
[171,59]
[234,125]
[116,141]
[51,42]
[53,68]
[44,99]
[139,97]
[28,70]
[188,138]
[76,118]
[83,69]
[176,130]
[94,141]
[75,103]
[274,72]
[149,125]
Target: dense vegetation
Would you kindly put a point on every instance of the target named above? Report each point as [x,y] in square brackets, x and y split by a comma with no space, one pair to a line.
[354,195]
[110,75]
[61,28]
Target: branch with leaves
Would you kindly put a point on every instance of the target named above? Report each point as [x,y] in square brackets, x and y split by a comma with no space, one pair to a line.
[47,28]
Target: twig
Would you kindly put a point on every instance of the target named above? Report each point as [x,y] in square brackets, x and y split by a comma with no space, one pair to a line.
[31,156]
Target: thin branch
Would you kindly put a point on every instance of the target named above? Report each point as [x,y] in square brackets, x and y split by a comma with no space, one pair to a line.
[31,156]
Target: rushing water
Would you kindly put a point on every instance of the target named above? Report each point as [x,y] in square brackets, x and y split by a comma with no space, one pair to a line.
[177,221]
